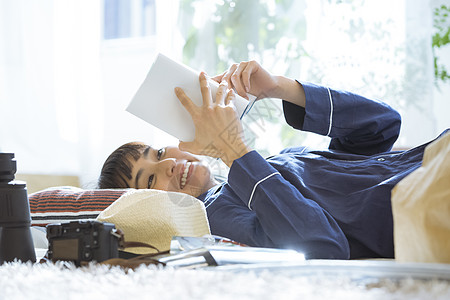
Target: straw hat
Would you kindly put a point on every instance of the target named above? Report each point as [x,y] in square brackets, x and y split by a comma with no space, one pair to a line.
[154,217]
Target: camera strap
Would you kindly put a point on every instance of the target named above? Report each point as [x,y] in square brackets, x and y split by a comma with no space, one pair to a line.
[134,262]
[124,244]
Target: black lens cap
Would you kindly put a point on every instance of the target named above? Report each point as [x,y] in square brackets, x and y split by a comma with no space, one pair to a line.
[7,167]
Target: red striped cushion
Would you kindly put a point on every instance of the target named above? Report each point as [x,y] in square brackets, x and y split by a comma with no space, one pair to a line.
[62,204]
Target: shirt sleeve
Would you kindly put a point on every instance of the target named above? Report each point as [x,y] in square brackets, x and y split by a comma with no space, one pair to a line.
[354,123]
[288,219]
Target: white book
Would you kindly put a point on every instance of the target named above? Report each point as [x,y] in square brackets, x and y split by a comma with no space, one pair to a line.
[156,103]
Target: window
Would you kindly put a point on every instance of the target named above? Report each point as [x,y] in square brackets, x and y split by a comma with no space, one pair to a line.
[129,18]
[379,49]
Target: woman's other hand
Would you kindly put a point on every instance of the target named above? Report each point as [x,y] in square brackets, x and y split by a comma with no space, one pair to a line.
[249,77]
[218,130]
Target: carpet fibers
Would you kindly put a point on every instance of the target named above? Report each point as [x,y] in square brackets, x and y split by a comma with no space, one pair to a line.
[63,281]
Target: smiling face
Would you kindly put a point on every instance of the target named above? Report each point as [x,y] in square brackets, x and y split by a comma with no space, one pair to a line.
[170,169]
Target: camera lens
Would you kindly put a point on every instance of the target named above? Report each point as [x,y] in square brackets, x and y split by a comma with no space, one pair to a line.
[16,241]
[7,167]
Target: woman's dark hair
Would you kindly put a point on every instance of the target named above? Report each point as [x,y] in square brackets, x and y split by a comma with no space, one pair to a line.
[116,171]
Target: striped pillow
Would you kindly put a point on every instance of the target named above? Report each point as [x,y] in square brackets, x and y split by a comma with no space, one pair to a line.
[63,204]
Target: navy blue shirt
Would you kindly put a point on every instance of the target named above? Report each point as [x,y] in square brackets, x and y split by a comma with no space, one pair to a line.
[326,204]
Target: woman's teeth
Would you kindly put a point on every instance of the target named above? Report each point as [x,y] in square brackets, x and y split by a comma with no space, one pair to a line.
[185,173]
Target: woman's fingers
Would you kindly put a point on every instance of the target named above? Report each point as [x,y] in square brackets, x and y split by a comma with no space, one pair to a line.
[227,75]
[221,93]
[206,92]
[236,79]
[247,73]
[218,78]
[185,100]
[188,146]
[230,96]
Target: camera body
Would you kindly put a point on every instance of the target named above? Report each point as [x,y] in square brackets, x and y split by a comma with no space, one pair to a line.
[16,241]
[83,241]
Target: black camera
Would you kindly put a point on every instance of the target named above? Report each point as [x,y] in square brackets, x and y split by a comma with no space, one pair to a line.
[83,241]
[16,241]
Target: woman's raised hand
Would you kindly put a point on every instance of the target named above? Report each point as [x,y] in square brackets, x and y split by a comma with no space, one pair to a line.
[218,130]
[249,77]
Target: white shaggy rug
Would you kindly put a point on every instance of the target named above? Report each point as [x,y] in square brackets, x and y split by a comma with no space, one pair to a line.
[311,281]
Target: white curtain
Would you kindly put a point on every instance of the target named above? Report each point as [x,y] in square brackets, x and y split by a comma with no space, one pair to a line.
[64,90]
[419,120]
[50,85]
